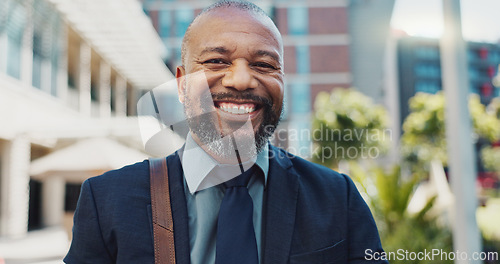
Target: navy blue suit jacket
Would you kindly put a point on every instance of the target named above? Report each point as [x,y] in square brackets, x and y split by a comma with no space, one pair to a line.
[311,215]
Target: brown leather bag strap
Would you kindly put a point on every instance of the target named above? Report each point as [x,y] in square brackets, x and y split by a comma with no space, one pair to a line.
[163,227]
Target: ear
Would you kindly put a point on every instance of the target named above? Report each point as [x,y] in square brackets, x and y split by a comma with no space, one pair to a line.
[180,76]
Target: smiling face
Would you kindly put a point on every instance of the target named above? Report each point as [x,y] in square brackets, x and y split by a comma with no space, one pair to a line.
[240,54]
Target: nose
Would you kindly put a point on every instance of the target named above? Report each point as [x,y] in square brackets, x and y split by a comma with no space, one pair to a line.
[239,77]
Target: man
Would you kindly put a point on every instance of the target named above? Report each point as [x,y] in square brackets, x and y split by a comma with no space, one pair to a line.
[300,212]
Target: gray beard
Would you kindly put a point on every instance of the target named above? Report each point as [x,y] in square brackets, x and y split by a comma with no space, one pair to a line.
[248,143]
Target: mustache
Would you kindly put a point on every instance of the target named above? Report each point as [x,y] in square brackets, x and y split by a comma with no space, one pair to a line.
[243,96]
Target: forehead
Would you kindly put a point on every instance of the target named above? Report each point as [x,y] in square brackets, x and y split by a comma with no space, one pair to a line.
[231,25]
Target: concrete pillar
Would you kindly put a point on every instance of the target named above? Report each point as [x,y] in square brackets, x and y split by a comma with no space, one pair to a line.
[121,96]
[461,155]
[46,77]
[27,46]
[3,51]
[15,187]
[391,91]
[104,90]
[84,79]
[131,101]
[53,192]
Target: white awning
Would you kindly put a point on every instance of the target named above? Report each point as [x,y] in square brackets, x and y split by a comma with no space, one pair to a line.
[122,34]
[85,159]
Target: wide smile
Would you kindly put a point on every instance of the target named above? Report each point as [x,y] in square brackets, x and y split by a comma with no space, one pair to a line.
[237,110]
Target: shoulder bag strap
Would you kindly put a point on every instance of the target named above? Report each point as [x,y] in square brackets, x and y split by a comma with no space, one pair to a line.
[163,228]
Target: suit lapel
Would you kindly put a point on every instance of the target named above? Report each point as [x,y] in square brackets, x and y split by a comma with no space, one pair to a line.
[179,209]
[280,207]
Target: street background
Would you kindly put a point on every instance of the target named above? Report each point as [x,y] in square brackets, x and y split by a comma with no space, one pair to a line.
[383,90]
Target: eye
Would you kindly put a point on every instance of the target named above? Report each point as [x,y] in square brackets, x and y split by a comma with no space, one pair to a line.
[214,61]
[215,64]
[264,66]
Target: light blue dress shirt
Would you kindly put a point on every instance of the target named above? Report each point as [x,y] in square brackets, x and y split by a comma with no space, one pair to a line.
[204,199]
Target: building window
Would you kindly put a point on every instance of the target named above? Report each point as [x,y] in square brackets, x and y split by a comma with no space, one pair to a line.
[183,18]
[45,47]
[298,20]
[113,95]
[71,196]
[491,71]
[38,58]
[35,205]
[427,87]
[94,92]
[16,22]
[40,45]
[486,90]
[303,60]
[55,52]
[474,73]
[429,53]
[483,53]
[427,70]
[164,23]
[473,89]
[495,56]
[476,54]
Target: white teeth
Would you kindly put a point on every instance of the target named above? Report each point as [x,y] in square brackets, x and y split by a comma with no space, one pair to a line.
[236,109]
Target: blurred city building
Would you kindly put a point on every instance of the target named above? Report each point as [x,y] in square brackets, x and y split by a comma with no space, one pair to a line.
[327,44]
[419,69]
[414,65]
[69,71]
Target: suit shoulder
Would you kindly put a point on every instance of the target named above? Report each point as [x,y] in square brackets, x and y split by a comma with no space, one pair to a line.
[126,173]
[128,182]
[315,178]
[310,169]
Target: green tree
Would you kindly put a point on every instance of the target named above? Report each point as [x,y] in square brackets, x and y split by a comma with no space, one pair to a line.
[491,158]
[388,194]
[494,107]
[347,125]
[491,155]
[424,136]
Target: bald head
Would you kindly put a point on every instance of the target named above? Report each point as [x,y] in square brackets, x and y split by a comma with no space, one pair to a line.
[220,6]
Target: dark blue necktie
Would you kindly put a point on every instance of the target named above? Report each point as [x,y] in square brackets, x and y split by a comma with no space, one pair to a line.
[236,243]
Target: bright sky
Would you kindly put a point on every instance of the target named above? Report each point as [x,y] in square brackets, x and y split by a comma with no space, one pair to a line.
[480,18]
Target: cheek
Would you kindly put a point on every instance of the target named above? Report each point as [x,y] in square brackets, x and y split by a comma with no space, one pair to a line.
[213,79]
[198,87]
[276,90]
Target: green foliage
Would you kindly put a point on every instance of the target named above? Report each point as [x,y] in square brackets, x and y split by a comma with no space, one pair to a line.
[494,107]
[424,136]
[491,155]
[346,124]
[388,196]
[485,123]
[491,158]
[487,220]
[424,129]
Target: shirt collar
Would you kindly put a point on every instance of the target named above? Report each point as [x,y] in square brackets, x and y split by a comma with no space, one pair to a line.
[197,165]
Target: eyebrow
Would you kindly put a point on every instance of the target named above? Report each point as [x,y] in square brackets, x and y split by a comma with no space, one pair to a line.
[223,50]
[268,54]
[219,49]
